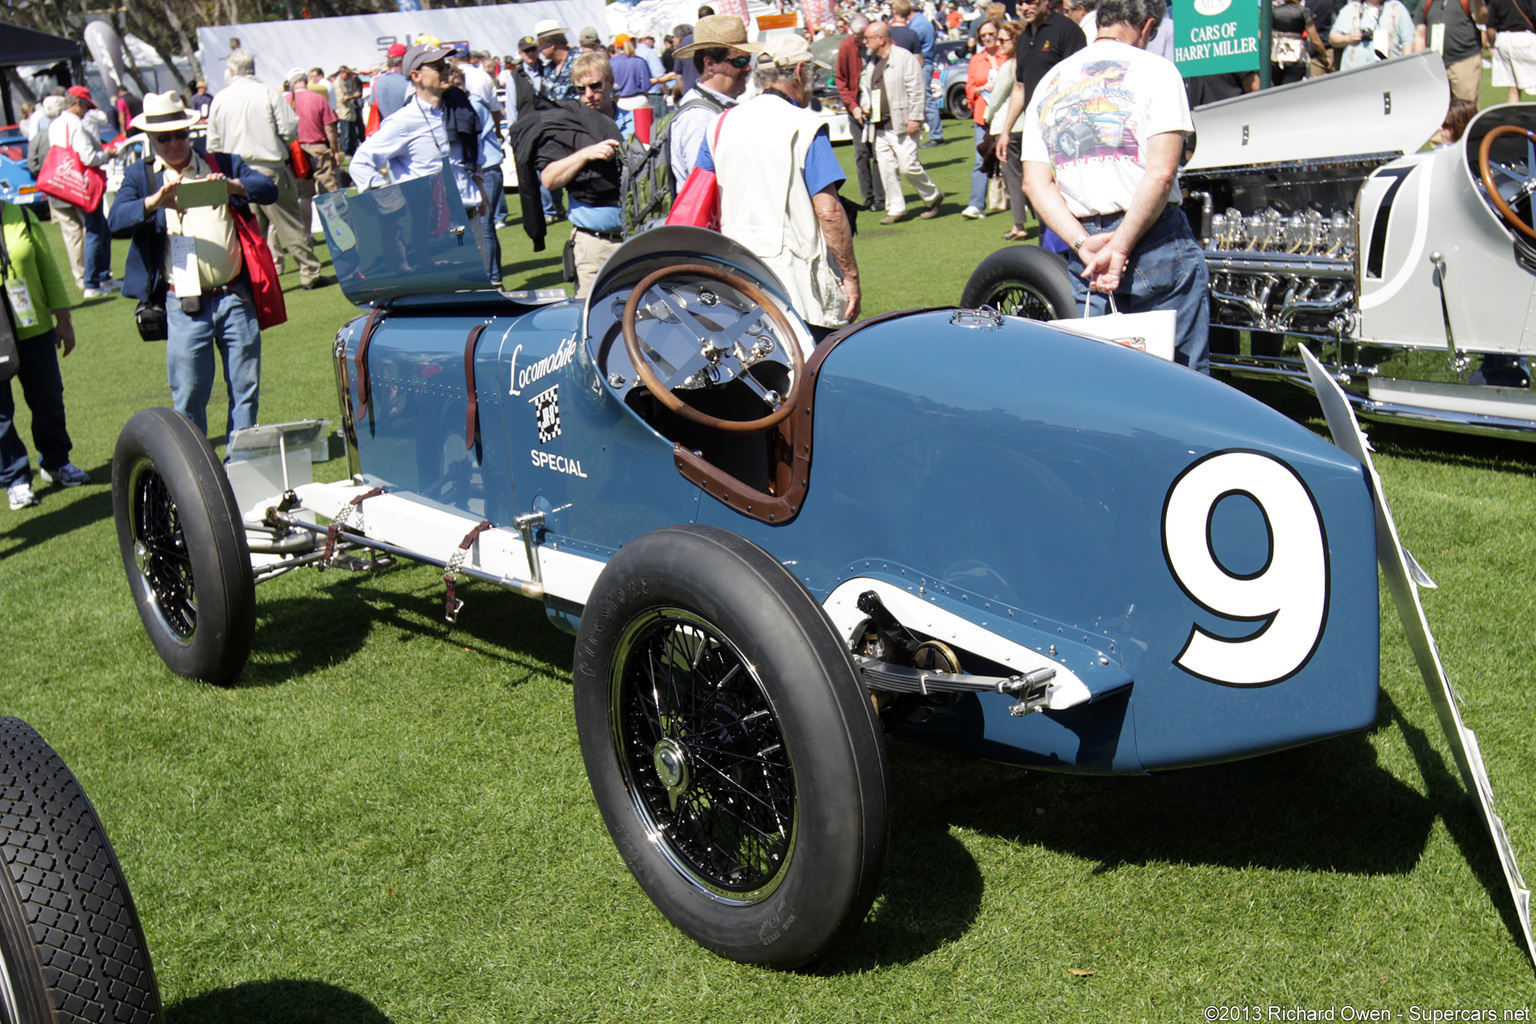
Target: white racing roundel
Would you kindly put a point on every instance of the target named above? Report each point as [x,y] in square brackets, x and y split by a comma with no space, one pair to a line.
[1287,596]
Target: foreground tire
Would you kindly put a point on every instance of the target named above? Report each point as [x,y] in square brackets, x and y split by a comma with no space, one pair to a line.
[736,760]
[183,546]
[1022,280]
[72,946]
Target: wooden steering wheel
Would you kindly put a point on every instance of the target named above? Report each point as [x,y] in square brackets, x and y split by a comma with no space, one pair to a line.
[720,349]
[1485,169]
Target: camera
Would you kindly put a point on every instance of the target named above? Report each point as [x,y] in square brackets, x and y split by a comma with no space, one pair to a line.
[1367,34]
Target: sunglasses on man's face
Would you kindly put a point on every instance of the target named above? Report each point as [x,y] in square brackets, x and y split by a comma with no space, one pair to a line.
[739,62]
[591,87]
[178,136]
[440,66]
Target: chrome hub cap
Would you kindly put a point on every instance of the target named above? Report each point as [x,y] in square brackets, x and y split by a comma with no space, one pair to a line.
[671,760]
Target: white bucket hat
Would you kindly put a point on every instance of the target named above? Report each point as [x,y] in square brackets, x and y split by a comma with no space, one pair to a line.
[163,112]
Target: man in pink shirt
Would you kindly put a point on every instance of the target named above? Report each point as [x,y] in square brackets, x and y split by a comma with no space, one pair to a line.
[317,131]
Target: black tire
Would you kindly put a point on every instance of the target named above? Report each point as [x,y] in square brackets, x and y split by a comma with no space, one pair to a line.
[1022,280]
[955,103]
[69,934]
[183,546]
[768,847]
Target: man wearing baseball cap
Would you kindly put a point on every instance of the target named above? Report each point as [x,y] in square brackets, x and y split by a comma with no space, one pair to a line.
[86,237]
[437,122]
[778,187]
[390,86]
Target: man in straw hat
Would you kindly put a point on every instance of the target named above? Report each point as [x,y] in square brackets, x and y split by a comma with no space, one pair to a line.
[723,59]
[190,255]
[554,60]
[778,187]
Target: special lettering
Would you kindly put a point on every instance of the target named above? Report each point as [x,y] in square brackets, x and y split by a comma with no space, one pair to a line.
[558,463]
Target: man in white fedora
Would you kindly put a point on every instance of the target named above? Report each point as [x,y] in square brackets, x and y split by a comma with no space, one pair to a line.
[189,257]
[722,56]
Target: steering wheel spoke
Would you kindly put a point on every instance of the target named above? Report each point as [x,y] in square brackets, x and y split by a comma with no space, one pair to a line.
[1487,168]
[719,345]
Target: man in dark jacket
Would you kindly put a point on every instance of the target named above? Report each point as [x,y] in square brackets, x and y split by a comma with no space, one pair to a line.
[185,249]
[575,146]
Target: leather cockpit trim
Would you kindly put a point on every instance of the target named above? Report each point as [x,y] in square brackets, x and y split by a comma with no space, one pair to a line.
[363,391]
[792,439]
[472,409]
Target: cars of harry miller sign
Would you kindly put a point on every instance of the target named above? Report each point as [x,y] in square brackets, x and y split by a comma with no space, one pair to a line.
[1146,569]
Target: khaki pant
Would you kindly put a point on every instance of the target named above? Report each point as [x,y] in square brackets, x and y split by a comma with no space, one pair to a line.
[71,221]
[896,152]
[589,253]
[323,164]
[285,225]
[1466,77]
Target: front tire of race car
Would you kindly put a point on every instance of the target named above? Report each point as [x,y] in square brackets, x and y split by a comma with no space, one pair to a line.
[737,762]
[1022,280]
[71,947]
[183,547]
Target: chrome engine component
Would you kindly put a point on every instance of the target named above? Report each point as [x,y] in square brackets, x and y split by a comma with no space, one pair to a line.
[1280,242]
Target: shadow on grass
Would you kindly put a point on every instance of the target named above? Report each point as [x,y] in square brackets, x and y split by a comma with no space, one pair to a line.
[1327,807]
[1458,809]
[281,1001]
[57,516]
[300,634]
[538,272]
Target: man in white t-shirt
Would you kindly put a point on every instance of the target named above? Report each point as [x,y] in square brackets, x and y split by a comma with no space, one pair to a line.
[1103,134]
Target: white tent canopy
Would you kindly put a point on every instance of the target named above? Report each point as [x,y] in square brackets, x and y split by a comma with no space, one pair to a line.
[360,41]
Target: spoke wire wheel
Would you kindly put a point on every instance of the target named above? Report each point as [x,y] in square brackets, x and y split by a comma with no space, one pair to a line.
[700,748]
[735,758]
[1017,298]
[183,546]
[160,551]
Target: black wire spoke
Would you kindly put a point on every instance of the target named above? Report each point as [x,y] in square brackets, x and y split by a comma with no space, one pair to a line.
[729,824]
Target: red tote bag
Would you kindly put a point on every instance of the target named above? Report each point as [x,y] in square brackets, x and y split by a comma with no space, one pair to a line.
[257,265]
[65,177]
[698,202]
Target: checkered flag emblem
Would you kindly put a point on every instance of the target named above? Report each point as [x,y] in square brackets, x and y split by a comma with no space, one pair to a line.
[546,411]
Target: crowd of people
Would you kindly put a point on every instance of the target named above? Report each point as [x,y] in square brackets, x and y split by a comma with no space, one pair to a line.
[707,96]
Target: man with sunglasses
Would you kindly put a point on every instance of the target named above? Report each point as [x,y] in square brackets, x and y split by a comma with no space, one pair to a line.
[575,147]
[436,123]
[722,56]
[188,255]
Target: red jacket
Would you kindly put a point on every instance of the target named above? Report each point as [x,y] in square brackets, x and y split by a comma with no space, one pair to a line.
[847,70]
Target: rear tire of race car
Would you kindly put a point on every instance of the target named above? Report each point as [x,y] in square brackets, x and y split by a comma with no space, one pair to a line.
[183,546]
[737,762]
[1022,280]
[69,934]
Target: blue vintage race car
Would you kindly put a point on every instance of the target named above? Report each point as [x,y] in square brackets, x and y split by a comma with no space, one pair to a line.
[966,529]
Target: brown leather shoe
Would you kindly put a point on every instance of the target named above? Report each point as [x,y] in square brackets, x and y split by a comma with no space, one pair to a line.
[893,218]
[931,210]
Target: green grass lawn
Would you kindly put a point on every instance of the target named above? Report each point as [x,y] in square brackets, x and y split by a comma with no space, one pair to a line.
[387,819]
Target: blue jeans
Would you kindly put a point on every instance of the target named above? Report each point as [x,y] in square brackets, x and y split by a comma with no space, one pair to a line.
[551,197]
[978,179]
[1166,271]
[98,249]
[935,118]
[43,389]
[227,323]
[491,247]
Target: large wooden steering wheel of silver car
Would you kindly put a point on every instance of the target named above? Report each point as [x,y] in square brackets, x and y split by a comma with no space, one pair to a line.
[710,353]
[1485,168]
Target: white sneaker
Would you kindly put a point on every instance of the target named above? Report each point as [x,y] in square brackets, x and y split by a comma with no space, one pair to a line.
[21,495]
[95,293]
[67,475]
[971,213]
